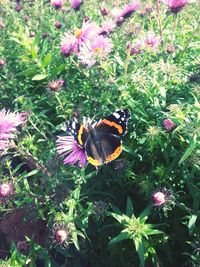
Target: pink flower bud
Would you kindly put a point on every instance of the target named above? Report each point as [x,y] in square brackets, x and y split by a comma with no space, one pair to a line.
[168,125]
[58,25]
[2,62]
[104,11]
[159,198]
[5,190]
[61,235]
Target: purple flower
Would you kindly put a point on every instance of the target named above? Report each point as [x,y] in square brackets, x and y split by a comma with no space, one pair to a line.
[57,3]
[163,198]
[67,147]
[107,27]
[2,62]
[152,41]
[94,50]
[175,5]
[6,190]
[168,125]
[70,42]
[75,4]
[61,234]
[58,24]
[32,34]
[17,8]
[8,124]
[55,85]
[104,11]
[135,47]
[128,9]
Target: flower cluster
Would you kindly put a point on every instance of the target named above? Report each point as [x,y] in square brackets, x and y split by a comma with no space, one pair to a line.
[8,126]
[87,43]
[150,41]
[175,5]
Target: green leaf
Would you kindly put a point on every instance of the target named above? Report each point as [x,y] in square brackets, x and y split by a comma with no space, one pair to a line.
[46,60]
[188,151]
[140,250]
[129,207]
[31,173]
[39,77]
[120,218]
[120,237]
[191,223]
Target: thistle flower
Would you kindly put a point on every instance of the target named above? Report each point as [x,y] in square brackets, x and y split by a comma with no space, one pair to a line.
[104,11]
[93,50]
[32,34]
[75,4]
[57,3]
[67,147]
[162,198]
[100,209]
[135,47]
[6,189]
[8,125]
[58,24]
[70,42]
[55,85]
[175,5]
[152,41]
[17,8]
[61,234]
[169,125]
[2,62]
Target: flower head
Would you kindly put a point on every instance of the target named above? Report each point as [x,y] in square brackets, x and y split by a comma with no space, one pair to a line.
[127,10]
[6,191]
[152,41]
[175,5]
[58,24]
[2,62]
[107,27]
[162,198]
[17,8]
[57,3]
[67,147]
[100,209]
[8,124]
[61,234]
[70,42]
[168,125]
[55,85]
[75,4]
[134,48]
[94,49]
[104,11]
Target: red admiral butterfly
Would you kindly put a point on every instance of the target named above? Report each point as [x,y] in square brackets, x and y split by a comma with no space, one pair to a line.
[102,141]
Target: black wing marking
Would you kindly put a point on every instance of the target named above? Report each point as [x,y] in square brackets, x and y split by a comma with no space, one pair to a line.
[115,123]
[78,131]
[105,148]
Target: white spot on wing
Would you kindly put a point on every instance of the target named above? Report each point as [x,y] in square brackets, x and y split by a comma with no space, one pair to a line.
[117,115]
[74,125]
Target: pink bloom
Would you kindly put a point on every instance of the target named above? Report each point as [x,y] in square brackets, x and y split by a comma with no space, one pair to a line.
[92,50]
[107,27]
[159,198]
[168,125]
[152,41]
[58,24]
[128,9]
[57,3]
[6,190]
[67,147]
[32,34]
[134,48]
[104,11]
[17,8]
[2,62]
[175,5]
[8,124]
[70,42]
[75,4]
[61,235]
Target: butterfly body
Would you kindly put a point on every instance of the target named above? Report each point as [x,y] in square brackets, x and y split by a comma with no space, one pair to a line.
[103,141]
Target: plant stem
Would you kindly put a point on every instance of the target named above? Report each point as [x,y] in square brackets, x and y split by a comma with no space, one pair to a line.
[29,157]
[60,103]
[160,29]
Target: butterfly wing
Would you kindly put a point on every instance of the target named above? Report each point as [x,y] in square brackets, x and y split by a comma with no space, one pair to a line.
[103,148]
[78,131]
[115,123]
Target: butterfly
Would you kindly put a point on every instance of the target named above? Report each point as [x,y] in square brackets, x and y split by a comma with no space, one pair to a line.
[101,141]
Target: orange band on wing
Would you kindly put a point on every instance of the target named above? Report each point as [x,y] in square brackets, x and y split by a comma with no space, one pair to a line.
[94,162]
[79,135]
[115,154]
[112,123]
